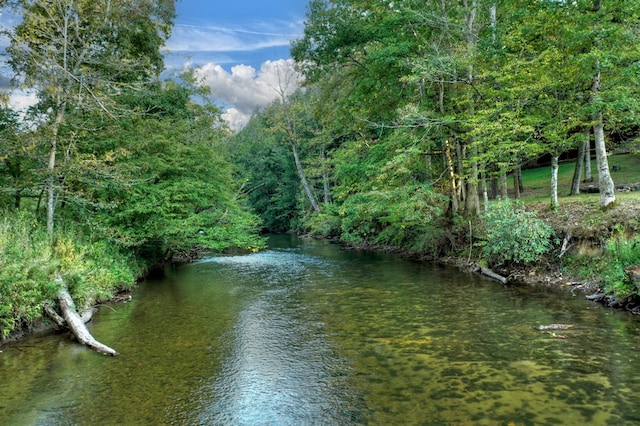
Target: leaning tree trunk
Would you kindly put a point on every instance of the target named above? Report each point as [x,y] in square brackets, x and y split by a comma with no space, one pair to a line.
[303,179]
[76,323]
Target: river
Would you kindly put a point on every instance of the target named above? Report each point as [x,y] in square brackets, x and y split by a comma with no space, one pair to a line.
[308,333]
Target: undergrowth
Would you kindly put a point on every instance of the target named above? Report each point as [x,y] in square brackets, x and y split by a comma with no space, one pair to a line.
[31,260]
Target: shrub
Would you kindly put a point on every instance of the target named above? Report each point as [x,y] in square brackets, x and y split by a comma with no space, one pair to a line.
[619,254]
[406,217]
[27,266]
[326,224]
[513,235]
[30,259]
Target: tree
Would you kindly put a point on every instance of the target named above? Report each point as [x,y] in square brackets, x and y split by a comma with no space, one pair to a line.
[290,117]
[559,49]
[16,158]
[80,55]
[452,95]
[268,173]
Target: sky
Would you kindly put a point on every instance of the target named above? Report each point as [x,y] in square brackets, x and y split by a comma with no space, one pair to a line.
[239,48]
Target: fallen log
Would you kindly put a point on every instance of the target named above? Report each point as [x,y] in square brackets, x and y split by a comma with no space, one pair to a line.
[60,322]
[490,274]
[76,324]
[53,316]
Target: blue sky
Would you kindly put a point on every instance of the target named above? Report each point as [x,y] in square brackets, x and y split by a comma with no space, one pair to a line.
[235,32]
[239,48]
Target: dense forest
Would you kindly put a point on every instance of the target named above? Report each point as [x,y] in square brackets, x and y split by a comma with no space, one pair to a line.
[413,117]
[113,172]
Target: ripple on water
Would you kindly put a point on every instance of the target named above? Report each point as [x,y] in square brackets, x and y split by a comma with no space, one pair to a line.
[318,335]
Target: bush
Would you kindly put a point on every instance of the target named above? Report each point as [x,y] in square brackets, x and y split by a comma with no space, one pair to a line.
[326,224]
[619,254]
[513,235]
[30,259]
[27,267]
[405,217]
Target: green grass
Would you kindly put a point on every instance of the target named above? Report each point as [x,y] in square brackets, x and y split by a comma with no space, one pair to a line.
[537,181]
[615,230]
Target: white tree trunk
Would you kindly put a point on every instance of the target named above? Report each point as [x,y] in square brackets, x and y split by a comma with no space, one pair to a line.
[605,183]
[303,179]
[51,168]
[554,182]
[76,324]
[485,193]
[588,177]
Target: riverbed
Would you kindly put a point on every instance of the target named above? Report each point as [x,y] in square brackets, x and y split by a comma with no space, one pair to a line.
[310,333]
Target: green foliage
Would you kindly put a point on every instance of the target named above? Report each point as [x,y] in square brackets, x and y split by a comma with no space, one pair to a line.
[92,270]
[403,217]
[27,266]
[159,184]
[267,170]
[619,254]
[326,224]
[29,261]
[513,235]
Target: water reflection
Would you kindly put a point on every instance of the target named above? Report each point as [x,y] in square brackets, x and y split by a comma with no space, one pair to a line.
[282,369]
[308,333]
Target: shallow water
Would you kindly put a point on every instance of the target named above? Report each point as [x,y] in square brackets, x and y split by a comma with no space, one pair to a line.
[309,333]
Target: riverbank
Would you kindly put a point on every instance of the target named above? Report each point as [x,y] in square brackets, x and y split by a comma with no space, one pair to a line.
[582,229]
[579,260]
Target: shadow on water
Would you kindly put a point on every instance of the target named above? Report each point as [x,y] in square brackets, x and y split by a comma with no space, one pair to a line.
[309,333]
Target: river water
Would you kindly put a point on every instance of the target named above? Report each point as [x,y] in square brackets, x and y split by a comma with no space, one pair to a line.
[307,333]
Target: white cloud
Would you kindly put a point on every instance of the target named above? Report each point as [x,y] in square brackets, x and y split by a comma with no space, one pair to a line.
[200,38]
[21,100]
[235,119]
[246,89]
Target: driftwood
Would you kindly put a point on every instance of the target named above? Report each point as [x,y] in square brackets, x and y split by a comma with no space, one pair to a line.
[550,327]
[60,322]
[489,273]
[76,324]
[565,244]
[53,315]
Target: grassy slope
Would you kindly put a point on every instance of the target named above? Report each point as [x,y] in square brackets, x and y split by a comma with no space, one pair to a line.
[538,181]
[581,215]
